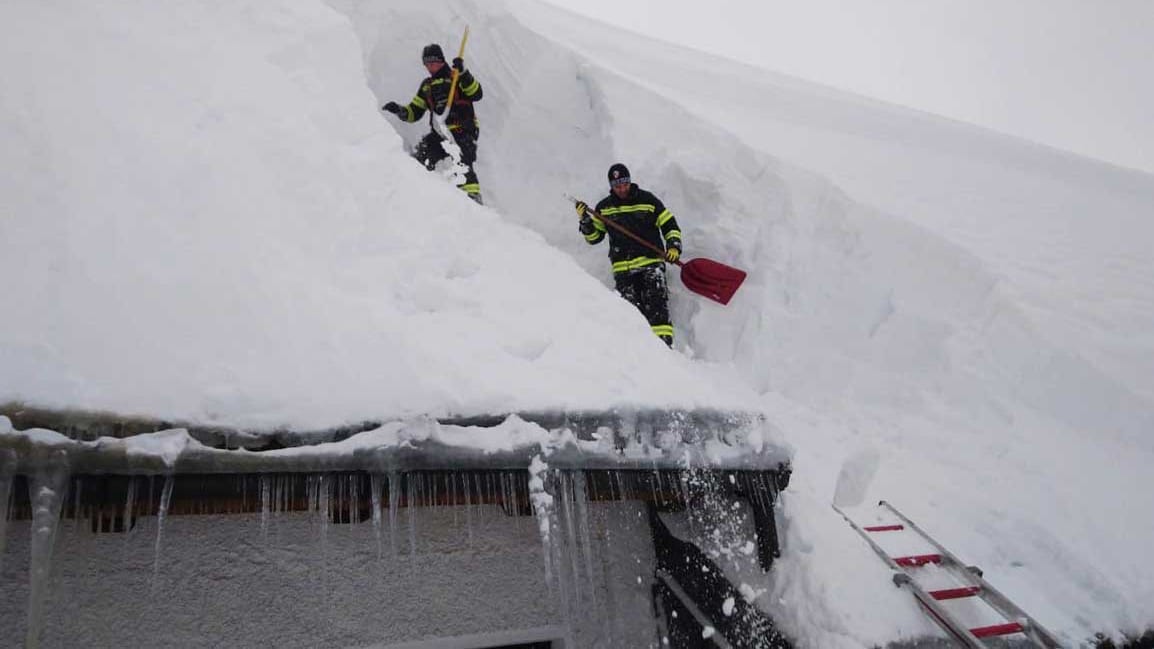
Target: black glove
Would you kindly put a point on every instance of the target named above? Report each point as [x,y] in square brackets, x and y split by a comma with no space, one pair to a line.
[459,64]
[394,108]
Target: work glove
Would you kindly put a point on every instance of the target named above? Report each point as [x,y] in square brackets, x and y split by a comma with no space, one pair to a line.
[459,64]
[581,208]
[394,108]
[672,254]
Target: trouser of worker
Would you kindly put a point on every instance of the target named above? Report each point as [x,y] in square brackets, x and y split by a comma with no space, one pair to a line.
[646,289]
[430,150]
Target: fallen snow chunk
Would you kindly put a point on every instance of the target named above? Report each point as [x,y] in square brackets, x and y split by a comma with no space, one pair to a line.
[727,606]
[166,445]
[749,593]
[708,632]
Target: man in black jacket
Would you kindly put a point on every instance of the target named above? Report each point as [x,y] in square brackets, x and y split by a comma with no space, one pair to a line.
[638,272]
[433,94]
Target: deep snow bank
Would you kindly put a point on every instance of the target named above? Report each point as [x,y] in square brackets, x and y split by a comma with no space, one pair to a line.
[205,217]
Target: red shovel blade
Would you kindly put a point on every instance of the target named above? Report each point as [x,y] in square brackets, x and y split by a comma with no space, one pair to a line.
[712,279]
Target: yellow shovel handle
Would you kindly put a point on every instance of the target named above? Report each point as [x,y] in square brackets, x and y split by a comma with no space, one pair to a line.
[456,74]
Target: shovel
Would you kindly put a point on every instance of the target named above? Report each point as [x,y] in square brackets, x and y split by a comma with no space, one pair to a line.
[706,277]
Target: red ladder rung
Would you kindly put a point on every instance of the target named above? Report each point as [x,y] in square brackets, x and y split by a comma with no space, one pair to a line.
[997,629]
[885,528]
[955,593]
[918,560]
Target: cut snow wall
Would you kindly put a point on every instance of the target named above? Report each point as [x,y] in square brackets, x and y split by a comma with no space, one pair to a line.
[843,301]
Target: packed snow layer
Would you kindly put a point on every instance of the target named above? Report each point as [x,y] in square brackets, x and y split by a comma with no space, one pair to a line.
[206,218]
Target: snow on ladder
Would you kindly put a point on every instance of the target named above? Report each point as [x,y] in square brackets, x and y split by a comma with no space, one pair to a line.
[972,585]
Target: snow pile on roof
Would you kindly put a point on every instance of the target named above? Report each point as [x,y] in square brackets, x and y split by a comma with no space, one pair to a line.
[207,218]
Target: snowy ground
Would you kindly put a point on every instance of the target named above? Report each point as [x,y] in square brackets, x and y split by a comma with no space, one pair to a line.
[205,216]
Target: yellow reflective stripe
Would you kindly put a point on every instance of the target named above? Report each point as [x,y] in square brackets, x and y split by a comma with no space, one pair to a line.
[593,237]
[634,264]
[471,188]
[471,89]
[628,208]
[597,223]
[409,114]
[663,330]
[438,81]
[420,103]
[664,218]
[673,234]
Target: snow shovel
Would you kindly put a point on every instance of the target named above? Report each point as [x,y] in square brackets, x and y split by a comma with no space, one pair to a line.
[712,279]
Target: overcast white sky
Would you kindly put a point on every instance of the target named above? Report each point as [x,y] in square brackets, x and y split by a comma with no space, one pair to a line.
[1074,74]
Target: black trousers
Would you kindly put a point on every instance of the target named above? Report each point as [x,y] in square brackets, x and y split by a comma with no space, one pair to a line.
[646,289]
[430,150]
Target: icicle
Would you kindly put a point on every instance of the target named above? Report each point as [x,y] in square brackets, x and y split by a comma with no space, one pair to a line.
[47,495]
[375,487]
[468,480]
[76,509]
[129,509]
[655,488]
[543,509]
[287,485]
[7,473]
[451,480]
[161,514]
[265,505]
[581,496]
[570,546]
[410,501]
[324,507]
[393,484]
[354,482]
[479,497]
[490,490]
[506,501]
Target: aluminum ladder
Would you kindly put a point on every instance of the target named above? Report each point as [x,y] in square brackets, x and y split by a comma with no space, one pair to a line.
[971,585]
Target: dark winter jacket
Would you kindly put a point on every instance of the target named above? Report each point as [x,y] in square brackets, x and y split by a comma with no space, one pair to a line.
[434,92]
[641,213]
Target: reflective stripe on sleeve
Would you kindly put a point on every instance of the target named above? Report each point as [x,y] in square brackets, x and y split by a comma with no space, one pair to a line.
[627,208]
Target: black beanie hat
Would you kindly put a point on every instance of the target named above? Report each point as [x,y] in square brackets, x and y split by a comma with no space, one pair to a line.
[432,53]
[618,174]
